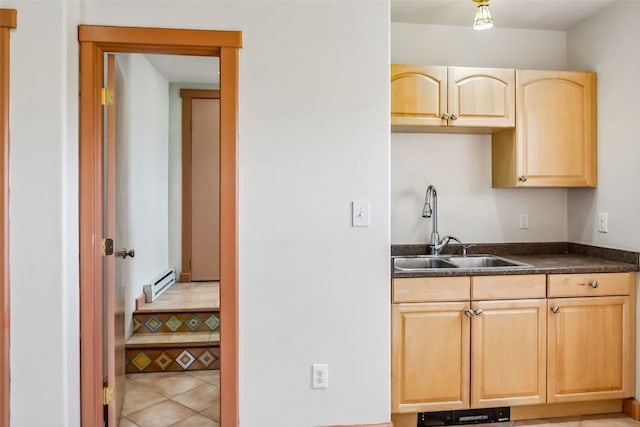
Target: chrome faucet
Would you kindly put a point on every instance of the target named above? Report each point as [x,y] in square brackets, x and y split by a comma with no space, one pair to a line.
[430,210]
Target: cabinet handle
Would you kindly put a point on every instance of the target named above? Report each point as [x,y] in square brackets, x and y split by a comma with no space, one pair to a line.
[453,117]
[593,284]
[479,312]
[555,309]
[445,116]
[522,178]
[469,312]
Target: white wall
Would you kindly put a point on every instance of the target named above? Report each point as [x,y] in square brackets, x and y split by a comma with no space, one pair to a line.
[43,217]
[608,45]
[142,175]
[460,165]
[175,170]
[314,135]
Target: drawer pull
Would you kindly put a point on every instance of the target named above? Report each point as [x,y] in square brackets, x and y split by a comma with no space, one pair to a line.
[469,312]
[555,309]
[593,284]
[479,312]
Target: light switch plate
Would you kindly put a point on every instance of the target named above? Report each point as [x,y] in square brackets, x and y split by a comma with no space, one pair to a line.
[360,212]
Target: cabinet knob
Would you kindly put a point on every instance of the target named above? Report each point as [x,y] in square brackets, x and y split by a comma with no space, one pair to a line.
[469,312]
[445,116]
[522,178]
[555,309]
[593,284]
[453,117]
[479,312]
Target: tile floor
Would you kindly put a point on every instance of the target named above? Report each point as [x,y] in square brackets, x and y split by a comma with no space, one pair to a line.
[176,399]
[194,295]
[608,420]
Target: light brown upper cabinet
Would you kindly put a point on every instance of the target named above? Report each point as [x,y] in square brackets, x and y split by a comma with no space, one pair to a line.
[453,99]
[554,141]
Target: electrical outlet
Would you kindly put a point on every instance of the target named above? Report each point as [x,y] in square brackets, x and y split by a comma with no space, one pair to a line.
[603,222]
[523,220]
[320,375]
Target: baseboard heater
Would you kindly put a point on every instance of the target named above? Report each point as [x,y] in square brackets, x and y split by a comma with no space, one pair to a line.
[465,416]
[159,285]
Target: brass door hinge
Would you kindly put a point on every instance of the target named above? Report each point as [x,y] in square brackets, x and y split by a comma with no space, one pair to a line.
[107,395]
[107,247]
[107,96]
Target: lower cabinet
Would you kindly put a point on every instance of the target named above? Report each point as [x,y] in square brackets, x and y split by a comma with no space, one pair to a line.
[430,369]
[558,338]
[508,353]
[589,354]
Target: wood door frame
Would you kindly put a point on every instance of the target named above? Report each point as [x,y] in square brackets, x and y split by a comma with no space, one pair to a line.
[187,96]
[94,42]
[8,21]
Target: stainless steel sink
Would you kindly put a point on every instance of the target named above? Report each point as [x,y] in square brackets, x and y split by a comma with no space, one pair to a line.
[421,263]
[484,261]
[454,262]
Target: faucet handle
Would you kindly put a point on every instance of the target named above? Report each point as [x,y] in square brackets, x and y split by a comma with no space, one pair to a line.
[465,247]
[448,238]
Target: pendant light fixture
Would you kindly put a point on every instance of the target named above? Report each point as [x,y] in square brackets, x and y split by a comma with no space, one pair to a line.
[483,19]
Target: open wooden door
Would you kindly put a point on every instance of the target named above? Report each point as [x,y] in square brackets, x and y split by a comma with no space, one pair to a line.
[113,289]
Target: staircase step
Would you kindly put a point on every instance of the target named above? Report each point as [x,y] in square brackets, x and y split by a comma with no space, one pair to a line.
[164,352]
[170,321]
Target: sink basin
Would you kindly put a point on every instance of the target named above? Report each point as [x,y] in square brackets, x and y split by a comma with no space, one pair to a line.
[483,261]
[421,263]
[455,262]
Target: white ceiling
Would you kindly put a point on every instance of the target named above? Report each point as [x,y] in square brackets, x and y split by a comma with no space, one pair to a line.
[559,15]
[187,69]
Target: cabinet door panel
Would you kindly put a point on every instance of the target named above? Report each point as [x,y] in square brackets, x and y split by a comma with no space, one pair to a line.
[430,357]
[483,97]
[508,353]
[556,128]
[418,95]
[590,354]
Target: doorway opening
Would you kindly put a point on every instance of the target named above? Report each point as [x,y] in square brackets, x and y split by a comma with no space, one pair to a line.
[95,41]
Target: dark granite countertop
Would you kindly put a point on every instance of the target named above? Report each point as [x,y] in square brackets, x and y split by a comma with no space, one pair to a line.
[543,258]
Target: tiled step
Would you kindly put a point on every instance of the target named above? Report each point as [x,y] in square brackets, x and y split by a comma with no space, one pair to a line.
[175,320]
[164,352]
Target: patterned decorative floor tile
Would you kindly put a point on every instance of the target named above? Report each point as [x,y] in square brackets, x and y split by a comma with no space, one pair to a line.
[172,359]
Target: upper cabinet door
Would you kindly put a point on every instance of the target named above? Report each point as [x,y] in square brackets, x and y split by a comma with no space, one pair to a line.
[418,95]
[481,97]
[554,141]
[556,128]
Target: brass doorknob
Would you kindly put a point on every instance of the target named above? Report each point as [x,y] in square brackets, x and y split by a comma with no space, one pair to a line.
[555,309]
[469,312]
[522,178]
[445,116]
[479,312]
[124,253]
[453,117]
[593,284]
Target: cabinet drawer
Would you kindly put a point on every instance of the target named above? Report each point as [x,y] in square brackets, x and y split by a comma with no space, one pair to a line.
[508,287]
[597,284]
[430,289]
